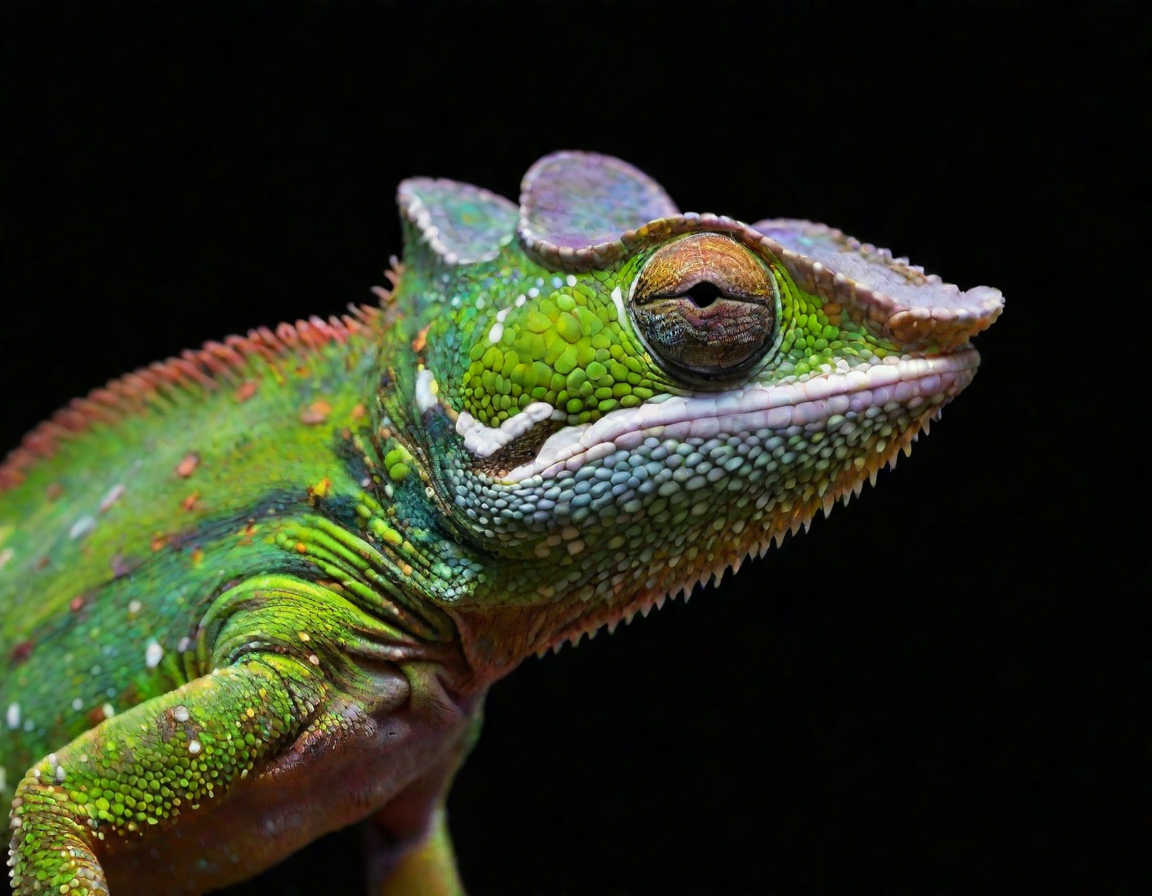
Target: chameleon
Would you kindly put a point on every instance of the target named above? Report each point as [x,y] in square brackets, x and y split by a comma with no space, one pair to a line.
[258,592]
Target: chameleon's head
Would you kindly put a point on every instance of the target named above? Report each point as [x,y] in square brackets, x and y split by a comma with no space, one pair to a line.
[625,400]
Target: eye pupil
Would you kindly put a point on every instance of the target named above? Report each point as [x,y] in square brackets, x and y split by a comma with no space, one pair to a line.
[704,294]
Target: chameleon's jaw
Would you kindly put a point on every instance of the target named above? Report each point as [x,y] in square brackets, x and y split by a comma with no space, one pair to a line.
[911,389]
[911,381]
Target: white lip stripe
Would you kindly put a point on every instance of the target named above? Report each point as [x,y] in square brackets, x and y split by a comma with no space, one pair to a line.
[750,408]
[484,441]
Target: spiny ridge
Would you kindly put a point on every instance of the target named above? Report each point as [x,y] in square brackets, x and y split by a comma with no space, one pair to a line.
[207,368]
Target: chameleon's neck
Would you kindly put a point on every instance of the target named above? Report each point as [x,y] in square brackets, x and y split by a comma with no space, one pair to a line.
[465,581]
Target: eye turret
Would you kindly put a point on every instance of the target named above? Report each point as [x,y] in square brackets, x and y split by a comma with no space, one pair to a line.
[705,305]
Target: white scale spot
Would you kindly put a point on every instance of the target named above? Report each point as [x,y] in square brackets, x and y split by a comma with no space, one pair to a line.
[108,710]
[184,644]
[570,280]
[193,747]
[180,713]
[618,299]
[497,331]
[427,390]
[12,717]
[134,607]
[82,527]
[112,496]
[77,704]
[153,653]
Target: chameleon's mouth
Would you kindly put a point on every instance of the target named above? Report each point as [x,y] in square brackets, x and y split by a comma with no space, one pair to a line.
[912,382]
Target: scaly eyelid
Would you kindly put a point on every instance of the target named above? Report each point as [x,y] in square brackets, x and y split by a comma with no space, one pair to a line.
[714,258]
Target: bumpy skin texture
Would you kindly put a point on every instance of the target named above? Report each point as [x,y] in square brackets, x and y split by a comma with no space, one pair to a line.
[257,593]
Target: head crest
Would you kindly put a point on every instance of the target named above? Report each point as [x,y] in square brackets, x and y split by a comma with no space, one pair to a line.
[581,210]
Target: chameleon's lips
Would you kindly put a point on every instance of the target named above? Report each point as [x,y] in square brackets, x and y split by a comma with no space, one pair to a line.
[913,382]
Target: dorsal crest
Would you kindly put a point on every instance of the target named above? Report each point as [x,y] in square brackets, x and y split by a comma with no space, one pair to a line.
[217,365]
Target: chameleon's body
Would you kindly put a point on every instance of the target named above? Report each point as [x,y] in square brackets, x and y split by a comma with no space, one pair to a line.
[258,593]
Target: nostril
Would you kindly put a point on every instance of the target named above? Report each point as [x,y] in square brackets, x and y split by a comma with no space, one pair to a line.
[704,293]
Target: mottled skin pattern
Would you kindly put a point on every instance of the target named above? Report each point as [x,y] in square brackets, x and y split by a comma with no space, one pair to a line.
[258,593]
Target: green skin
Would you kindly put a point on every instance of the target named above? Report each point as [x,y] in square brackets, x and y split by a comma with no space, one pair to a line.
[260,595]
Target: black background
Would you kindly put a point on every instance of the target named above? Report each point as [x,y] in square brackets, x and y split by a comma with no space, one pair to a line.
[934,691]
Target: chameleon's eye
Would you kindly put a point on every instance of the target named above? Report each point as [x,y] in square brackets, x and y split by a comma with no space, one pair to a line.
[706,306]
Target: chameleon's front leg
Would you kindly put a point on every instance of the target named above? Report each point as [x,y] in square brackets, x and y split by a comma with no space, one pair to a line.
[169,757]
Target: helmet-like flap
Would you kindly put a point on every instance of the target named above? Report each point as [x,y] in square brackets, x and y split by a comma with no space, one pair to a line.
[578,208]
[913,307]
[461,223]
